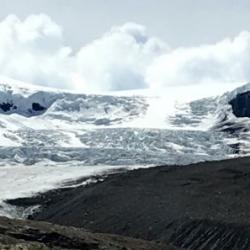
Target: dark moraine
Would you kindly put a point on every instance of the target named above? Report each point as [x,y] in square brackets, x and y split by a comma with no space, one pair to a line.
[241,105]
[200,206]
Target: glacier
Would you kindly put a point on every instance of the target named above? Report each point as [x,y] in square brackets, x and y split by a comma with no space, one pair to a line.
[49,137]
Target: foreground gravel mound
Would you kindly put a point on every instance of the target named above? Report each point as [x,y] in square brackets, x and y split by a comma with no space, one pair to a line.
[32,235]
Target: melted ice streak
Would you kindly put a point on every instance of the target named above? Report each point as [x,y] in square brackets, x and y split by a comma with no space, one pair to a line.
[24,181]
[79,135]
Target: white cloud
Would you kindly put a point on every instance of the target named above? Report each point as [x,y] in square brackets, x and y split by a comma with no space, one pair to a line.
[226,61]
[119,59]
[126,57]
[32,50]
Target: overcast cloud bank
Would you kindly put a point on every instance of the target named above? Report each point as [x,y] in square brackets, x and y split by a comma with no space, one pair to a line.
[124,58]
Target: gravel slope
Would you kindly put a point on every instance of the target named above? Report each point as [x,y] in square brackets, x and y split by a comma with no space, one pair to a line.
[200,206]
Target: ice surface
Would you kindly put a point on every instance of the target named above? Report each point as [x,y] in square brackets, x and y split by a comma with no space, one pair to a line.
[20,180]
[49,137]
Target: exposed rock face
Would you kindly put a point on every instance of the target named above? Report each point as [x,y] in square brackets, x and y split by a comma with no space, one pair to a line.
[6,106]
[241,105]
[31,235]
[37,107]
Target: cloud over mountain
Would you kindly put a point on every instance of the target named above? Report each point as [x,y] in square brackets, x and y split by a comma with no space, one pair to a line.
[225,61]
[125,57]
[119,59]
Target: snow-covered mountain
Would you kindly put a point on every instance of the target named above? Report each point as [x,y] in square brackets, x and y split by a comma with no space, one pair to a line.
[40,124]
[48,136]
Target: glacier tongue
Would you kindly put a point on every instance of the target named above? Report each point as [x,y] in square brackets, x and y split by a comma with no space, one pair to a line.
[21,180]
[127,146]
[48,136]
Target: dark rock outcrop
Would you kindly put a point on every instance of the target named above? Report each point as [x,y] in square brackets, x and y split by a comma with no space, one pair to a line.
[5,106]
[32,235]
[37,107]
[241,105]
